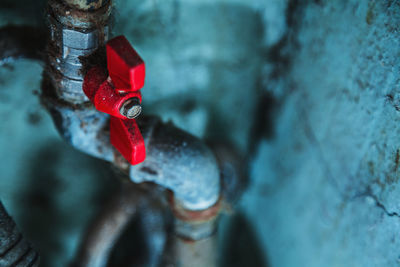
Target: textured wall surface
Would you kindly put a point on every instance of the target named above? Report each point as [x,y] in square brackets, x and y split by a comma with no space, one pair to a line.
[308,90]
[325,184]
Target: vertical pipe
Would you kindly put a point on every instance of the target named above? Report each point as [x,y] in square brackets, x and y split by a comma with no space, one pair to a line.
[195,240]
[195,253]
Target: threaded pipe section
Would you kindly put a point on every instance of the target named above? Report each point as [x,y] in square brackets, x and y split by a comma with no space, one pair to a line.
[14,249]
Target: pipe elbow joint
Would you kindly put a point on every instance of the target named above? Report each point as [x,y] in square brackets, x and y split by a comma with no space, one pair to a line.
[180,162]
[85,129]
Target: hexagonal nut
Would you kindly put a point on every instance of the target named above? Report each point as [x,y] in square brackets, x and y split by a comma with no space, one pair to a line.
[71,90]
[70,64]
[80,40]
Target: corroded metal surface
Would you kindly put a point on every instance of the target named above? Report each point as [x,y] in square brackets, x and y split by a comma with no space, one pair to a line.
[14,249]
[86,4]
[179,162]
[175,159]
[73,17]
[82,127]
[74,35]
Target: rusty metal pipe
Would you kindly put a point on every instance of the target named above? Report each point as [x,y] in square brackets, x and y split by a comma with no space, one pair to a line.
[200,253]
[87,130]
[175,159]
[14,249]
[131,202]
[89,5]
[180,162]
[74,34]
[195,240]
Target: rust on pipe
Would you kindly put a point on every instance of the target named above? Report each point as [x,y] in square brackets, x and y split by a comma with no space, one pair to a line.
[86,4]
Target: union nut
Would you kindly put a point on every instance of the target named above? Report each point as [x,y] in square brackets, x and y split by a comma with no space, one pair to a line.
[195,225]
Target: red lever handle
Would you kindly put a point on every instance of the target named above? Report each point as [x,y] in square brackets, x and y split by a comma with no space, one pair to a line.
[125,67]
[126,138]
[103,94]
[126,77]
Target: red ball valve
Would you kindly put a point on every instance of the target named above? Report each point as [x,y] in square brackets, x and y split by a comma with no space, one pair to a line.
[118,94]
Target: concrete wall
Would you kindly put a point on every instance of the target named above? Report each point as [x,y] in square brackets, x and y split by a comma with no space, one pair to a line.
[325,184]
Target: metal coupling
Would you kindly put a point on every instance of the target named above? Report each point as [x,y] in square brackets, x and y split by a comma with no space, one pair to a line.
[195,225]
[179,162]
[74,34]
[195,240]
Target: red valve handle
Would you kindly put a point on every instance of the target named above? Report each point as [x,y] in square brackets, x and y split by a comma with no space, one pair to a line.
[125,67]
[126,77]
[126,138]
[102,93]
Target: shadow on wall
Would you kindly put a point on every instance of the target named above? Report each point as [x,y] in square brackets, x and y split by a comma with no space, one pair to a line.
[28,11]
[63,190]
[242,245]
[40,218]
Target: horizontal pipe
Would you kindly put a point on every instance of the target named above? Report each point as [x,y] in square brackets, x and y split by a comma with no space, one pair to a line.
[180,162]
[175,159]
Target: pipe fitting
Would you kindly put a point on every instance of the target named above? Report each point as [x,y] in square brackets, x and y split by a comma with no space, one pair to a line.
[82,127]
[195,225]
[194,242]
[175,159]
[74,34]
[179,162]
